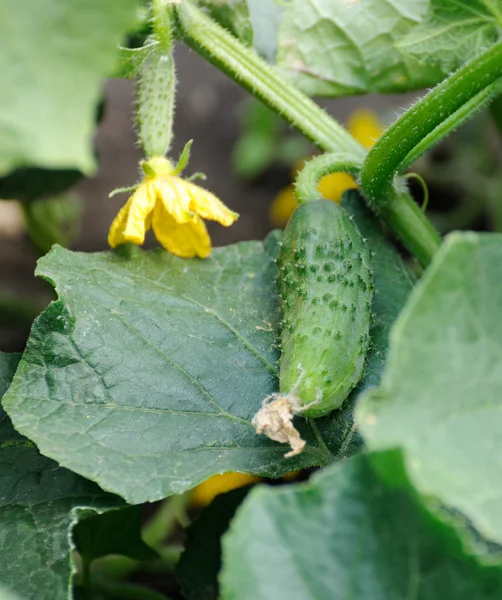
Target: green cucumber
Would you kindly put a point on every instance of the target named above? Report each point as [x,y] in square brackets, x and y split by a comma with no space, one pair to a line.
[326,287]
[155,94]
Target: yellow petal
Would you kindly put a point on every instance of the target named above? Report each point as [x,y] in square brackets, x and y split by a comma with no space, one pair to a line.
[183,239]
[282,206]
[365,126]
[133,219]
[205,492]
[208,206]
[334,185]
[172,193]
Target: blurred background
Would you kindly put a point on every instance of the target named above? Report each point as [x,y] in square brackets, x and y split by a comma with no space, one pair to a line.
[249,157]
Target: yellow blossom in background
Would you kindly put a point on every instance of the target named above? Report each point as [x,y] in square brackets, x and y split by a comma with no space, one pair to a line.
[366,128]
[173,207]
[205,492]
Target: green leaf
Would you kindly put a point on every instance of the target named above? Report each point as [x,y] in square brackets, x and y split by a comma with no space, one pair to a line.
[154,366]
[441,394]
[233,15]
[337,48]
[265,18]
[393,282]
[54,56]
[39,504]
[5,594]
[453,32]
[346,534]
[200,563]
[114,532]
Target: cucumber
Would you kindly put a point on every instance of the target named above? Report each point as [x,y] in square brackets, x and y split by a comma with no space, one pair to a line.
[326,287]
[155,94]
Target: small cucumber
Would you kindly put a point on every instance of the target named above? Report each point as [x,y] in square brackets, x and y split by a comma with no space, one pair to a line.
[155,93]
[326,287]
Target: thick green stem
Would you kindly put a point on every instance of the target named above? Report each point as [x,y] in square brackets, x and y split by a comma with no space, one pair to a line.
[407,220]
[250,71]
[424,119]
[465,112]
[162,23]
[308,178]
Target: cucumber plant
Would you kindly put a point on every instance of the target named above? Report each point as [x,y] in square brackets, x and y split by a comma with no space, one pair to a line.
[361,332]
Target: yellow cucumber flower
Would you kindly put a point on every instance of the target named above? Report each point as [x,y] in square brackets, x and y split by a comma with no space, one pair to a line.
[173,207]
[205,492]
[366,128]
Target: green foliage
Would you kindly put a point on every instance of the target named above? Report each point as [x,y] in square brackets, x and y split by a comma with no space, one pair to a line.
[338,48]
[158,364]
[146,372]
[114,532]
[53,221]
[54,56]
[233,15]
[265,17]
[440,396]
[348,534]
[39,504]
[454,32]
[200,563]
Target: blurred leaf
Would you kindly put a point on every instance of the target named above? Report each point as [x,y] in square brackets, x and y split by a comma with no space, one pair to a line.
[5,594]
[338,48]
[114,532]
[53,221]
[32,183]
[453,32]
[441,394]
[200,563]
[265,17]
[346,534]
[233,15]
[39,504]
[253,154]
[54,56]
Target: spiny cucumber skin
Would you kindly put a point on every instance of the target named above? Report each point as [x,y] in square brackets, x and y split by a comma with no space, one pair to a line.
[155,93]
[325,283]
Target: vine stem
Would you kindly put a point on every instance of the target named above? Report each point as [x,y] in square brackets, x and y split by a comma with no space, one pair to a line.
[432,117]
[244,66]
[308,178]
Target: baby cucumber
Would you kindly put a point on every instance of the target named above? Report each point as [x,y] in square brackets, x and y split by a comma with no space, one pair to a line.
[326,287]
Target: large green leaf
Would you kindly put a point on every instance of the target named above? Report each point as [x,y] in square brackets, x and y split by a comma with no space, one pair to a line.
[336,48]
[153,366]
[39,503]
[454,31]
[346,535]
[53,57]
[145,375]
[441,395]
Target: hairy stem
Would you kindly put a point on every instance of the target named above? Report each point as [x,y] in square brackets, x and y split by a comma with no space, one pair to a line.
[425,119]
[250,71]
[308,178]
